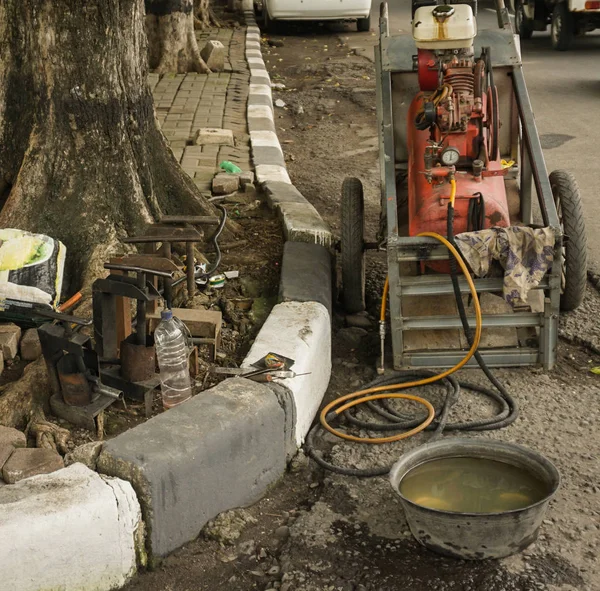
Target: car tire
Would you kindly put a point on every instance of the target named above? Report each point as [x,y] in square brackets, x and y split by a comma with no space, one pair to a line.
[353,246]
[567,198]
[523,25]
[363,25]
[562,29]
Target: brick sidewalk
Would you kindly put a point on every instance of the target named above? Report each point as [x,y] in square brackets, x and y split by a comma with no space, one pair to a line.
[185,103]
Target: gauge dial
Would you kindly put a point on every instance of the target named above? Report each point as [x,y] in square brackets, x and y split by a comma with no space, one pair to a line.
[450,156]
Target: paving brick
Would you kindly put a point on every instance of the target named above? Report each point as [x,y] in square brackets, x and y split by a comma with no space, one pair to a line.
[9,340]
[26,462]
[31,349]
[217,136]
[225,183]
[12,437]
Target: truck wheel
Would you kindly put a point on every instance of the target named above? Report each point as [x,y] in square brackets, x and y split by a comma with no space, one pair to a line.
[567,198]
[363,25]
[562,29]
[353,248]
[523,25]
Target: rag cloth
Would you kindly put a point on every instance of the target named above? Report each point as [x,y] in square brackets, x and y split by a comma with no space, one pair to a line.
[524,253]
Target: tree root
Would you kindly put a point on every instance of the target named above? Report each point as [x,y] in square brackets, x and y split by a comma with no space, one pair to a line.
[47,435]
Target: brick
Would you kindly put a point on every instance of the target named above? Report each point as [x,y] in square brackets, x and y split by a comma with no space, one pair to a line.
[211,135]
[246,178]
[225,183]
[12,437]
[9,340]
[5,453]
[31,349]
[26,462]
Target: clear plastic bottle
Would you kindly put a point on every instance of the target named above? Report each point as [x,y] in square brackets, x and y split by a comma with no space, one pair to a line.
[173,360]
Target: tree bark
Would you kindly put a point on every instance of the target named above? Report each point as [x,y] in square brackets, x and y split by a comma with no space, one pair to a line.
[204,16]
[171,38]
[81,155]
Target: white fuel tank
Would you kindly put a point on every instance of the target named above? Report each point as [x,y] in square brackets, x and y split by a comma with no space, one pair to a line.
[444,27]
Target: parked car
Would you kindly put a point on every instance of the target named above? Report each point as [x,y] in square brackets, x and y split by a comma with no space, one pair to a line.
[315,10]
[567,19]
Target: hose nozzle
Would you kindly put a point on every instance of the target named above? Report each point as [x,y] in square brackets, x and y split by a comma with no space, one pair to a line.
[381,368]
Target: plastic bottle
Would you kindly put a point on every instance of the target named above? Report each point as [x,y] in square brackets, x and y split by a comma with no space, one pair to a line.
[173,360]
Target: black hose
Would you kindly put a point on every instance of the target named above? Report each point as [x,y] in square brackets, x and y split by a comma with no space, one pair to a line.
[398,422]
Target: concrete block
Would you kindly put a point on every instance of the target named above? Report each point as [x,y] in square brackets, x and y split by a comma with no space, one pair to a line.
[246,178]
[305,274]
[9,340]
[72,530]
[225,183]
[213,136]
[31,349]
[13,437]
[26,462]
[1,361]
[278,192]
[302,223]
[213,53]
[217,451]
[300,331]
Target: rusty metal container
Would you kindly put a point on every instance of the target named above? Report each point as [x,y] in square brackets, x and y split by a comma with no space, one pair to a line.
[138,362]
[476,536]
[74,386]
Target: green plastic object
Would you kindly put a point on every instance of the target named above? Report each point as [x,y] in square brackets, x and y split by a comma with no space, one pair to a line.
[229,167]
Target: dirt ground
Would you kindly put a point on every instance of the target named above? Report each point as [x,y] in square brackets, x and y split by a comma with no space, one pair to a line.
[318,531]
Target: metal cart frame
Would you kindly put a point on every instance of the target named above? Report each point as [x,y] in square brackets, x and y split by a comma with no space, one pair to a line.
[396,85]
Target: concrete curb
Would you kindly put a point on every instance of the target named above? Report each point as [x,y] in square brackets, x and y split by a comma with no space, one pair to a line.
[301,221]
[72,530]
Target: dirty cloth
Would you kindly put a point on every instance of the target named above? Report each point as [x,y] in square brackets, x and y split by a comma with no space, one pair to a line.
[524,253]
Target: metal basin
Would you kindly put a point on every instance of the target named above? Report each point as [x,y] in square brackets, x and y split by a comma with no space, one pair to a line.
[476,536]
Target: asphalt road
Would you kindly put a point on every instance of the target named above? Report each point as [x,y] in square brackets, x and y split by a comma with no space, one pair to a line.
[564,88]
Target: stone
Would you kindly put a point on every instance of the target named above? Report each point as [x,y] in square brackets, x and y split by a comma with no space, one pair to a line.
[228,526]
[278,86]
[351,337]
[218,451]
[280,103]
[12,437]
[213,136]
[86,454]
[359,320]
[225,183]
[9,340]
[72,529]
[31,349]
[27,462]
[5,453]
[213,54]
[246,178]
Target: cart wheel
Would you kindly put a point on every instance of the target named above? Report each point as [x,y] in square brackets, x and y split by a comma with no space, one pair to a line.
[353,249]
[363,25]
[562,29]
[567,198]
[523,25]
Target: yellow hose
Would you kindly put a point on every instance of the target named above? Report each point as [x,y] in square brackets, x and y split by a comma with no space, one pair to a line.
[369,394]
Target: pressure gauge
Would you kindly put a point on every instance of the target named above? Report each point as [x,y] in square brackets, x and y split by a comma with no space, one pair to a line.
[450,156]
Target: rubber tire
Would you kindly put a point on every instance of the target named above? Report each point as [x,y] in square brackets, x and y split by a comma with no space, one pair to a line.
[523,25]
[567,194]
[562,40]
[267,25]
[363,25]
[352,245]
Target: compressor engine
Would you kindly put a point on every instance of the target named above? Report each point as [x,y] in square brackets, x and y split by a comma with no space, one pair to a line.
[453,127]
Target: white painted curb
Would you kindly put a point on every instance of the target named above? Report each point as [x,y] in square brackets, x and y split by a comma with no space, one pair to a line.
[300,331]
[71,530]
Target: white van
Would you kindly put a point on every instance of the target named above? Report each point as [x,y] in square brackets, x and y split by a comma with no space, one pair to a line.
[315,10]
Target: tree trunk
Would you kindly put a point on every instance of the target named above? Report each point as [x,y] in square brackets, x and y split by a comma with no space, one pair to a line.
[171,38]
[204,16]
[81,156]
